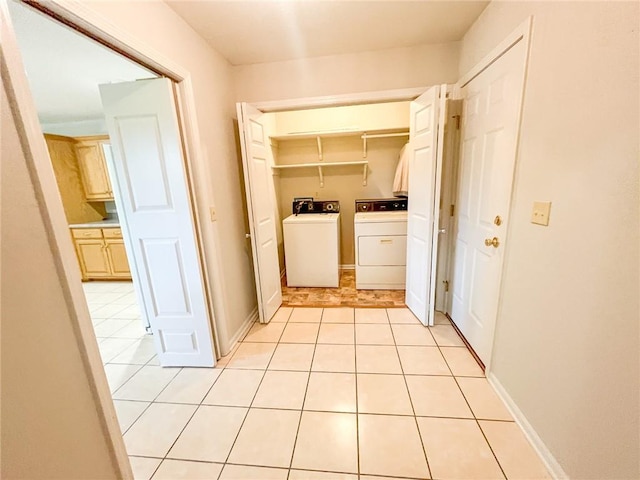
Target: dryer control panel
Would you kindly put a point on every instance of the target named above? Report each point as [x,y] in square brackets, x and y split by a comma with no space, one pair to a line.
[382,205]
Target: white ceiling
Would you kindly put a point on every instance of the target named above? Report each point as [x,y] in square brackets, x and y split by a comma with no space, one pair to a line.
[249,31]
[65,68]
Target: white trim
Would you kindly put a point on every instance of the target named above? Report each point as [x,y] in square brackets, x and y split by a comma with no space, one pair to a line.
[348,266]
[399,95]
[536,442]
[55,223]
[242,331]
[522,31]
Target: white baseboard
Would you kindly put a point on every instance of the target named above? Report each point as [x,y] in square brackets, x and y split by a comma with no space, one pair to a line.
[242,331]
[536,442]
[348,266]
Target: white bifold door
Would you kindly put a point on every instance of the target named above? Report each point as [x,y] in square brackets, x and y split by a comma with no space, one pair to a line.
[428,114]
[255,145]
[154,205]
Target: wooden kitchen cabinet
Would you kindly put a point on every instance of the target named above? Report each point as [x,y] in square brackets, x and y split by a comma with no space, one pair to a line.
[93,168]
[101,253]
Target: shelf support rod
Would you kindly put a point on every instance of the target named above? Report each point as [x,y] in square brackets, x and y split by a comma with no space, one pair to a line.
[365,171]
[319,140]
[321,177]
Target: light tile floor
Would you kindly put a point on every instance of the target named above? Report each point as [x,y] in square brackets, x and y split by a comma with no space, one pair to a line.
[336,393]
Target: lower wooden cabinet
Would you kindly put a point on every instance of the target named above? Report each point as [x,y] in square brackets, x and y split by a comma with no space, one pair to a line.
[101,253]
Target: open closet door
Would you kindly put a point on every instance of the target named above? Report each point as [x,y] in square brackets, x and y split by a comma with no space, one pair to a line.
[425,172]
[154,204]
[255,146]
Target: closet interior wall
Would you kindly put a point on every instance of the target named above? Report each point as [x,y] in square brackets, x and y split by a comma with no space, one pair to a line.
[343,183]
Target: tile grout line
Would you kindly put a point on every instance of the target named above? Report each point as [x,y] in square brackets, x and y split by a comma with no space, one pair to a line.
[355,375]
[406,385]
[304,400]
[475,419]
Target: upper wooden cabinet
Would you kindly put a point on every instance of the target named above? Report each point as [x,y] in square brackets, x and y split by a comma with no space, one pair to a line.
[93,168]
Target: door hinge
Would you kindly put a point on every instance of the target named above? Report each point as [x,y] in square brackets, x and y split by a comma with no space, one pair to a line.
[446,285]
[457,117]
[452,210]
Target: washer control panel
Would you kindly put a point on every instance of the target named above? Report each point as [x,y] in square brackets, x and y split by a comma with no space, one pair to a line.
[309,205]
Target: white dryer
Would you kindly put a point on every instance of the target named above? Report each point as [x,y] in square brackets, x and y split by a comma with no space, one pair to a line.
[381,250]
[312,249]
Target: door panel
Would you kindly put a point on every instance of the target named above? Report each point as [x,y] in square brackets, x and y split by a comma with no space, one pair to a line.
[262,219]
[425,169]
[154,201]
[490,121]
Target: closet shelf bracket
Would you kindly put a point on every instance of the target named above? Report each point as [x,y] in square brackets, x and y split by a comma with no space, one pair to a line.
[321,177]
[319,140]
[365,172]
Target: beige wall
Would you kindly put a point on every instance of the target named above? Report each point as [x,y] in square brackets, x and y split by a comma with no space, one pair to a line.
[217,169]
[418,66]
[566,347]
[51,425]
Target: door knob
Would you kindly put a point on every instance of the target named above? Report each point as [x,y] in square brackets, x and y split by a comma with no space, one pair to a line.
[492,242]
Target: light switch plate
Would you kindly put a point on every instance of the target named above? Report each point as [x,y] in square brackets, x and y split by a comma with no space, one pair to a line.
[540,214]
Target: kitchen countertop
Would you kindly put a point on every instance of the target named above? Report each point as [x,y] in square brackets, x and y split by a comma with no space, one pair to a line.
[108,223]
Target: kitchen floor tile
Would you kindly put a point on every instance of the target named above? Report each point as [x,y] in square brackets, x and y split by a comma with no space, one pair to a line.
[128,412]
[184,470]
[112,347]
[338,315]
[377,359]
[422,361]
[133,329]
[118,375]
[441,319]
[385,394]
[282,315]
[371,315]
[402,315]
[300,332]
[417,335]
[157,428]
[282,390]
[292,356]
[336,333]
[143,467]
[367,334]
[515,454]
[234,388]
[391,446]
[109,327]
[446,336]
[306,315]
[146,384]
[242,472]
[252,356]
[484,401]
[334,392]
[457,449]
[437,397]
[334,358]
[140,352]
[209,435]
[269,332]
[309,475]
[461,362]
[190,385]
[327,441]
[266,438]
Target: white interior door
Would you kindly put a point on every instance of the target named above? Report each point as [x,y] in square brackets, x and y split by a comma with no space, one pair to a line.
[154,207]
[255,145]
[425,171]
[490,123]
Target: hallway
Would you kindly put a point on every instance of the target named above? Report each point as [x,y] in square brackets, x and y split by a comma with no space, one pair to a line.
[335,393]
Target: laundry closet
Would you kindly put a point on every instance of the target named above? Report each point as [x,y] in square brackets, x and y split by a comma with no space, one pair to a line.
[329,182]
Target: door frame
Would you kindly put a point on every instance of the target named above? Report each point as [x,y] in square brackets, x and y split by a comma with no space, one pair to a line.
[81,18]
[522,33]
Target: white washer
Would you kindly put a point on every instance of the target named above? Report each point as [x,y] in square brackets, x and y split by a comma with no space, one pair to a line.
[312,249]
[381,250]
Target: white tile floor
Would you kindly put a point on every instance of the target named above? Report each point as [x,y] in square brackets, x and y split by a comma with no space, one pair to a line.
[316,394]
